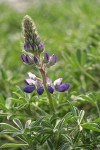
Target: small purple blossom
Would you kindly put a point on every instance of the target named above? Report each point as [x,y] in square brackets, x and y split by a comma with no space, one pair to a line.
[62,87]
[33,83]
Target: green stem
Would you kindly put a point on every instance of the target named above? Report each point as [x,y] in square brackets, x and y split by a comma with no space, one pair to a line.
[48,94]
[98,109]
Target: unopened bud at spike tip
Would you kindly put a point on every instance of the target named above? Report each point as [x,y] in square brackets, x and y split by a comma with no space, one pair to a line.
[33,43]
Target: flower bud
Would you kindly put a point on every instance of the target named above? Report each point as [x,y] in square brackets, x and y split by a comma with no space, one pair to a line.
[46,58]
[53,60]
[27,47]
[26,59]
[36,60]
[41,47]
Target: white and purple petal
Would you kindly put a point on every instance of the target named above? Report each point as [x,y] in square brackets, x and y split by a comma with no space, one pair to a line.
[32,76]
[40,90]
[29,81]
[39,83]
[49,82]
[58,82]
[62,87]
[29,88]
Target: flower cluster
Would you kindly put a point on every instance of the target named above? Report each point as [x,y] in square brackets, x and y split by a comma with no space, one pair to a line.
[48,60]
[34,83]
[34,46]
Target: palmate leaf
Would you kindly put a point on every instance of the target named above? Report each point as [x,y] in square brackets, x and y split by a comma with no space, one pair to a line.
[12,145]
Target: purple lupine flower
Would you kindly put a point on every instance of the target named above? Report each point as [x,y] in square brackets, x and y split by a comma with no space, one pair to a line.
[30,83]
[49,85]
[29,88]
[41,46]
[36,60]
[46,58]
[62,87]
[50,89]
[40,90]
[53,60]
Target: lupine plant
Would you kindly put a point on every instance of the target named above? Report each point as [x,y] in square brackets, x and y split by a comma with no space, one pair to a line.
[34,45]
[42,115]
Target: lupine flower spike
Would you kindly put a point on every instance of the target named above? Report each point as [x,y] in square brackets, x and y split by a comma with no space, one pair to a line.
[34,45]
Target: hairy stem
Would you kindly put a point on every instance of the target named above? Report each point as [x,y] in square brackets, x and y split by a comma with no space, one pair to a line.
[48,94]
